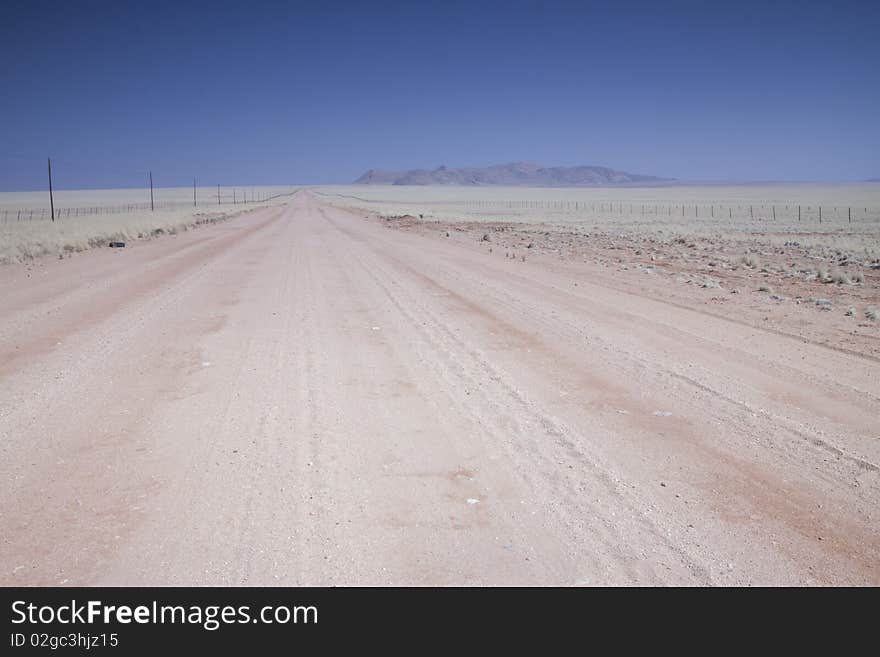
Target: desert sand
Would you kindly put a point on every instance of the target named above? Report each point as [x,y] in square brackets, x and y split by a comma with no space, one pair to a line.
[331,392]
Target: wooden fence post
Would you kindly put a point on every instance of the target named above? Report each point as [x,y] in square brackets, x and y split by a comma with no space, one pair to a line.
[51,199]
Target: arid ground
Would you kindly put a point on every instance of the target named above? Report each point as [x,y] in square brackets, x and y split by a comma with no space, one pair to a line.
[325,392]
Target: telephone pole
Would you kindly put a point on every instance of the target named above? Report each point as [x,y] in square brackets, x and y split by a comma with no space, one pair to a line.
[152,205]
[194,192]
[51,199]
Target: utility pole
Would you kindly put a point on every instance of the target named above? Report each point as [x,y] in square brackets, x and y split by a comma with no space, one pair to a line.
[51,199]
[218,194]
[152,205]
[194,192]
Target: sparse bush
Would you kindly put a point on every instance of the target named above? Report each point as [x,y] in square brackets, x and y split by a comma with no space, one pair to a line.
[850,311]
[710,283]
[822,275]
[749,261]
[765,288]
[873,314]
[858,277]
[841,278]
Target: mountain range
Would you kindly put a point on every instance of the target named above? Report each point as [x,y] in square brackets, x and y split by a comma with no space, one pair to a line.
[527,174]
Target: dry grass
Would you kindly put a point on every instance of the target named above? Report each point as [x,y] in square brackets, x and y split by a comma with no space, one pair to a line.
[24,240]
[642,213]
[749,261]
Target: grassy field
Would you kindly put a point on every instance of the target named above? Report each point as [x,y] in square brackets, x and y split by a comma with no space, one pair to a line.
[772,213]
[89,218]
[739,207]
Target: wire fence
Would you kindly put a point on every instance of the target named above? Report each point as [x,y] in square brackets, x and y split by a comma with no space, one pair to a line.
[11,215]
[54,211]
[788,213]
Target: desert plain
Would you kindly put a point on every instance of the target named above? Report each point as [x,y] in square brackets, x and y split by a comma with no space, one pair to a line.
[445,385]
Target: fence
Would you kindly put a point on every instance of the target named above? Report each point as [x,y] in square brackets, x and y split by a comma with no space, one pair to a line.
[789,213]
[61,213]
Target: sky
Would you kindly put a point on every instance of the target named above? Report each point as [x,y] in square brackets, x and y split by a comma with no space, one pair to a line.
[318,92]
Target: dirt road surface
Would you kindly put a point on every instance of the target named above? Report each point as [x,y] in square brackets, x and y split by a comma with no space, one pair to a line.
[304,396]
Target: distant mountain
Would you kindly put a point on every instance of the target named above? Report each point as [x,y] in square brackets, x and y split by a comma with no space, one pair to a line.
[873,180]
[525,174]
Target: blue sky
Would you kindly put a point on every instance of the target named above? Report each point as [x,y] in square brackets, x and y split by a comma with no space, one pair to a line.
[287,92]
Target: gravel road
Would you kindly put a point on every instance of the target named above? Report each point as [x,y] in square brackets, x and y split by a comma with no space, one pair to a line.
[305,396]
